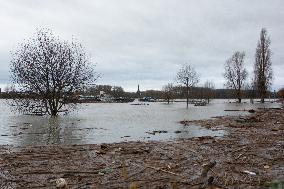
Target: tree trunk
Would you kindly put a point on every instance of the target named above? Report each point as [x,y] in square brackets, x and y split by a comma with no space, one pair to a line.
[262,100]
[54,112]
[262,96]
[187,93]
[239,94]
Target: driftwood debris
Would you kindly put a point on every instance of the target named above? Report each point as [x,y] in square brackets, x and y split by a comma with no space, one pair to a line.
[205,181]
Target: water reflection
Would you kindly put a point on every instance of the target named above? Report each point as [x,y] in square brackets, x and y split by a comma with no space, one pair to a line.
[53,131]
[197,131]
[97,123]
[35,130]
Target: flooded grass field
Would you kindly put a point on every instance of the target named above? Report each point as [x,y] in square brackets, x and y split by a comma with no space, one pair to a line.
[116,122]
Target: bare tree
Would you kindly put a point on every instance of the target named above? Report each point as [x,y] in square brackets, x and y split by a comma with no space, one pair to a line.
[187,76]
[168,92]
[209,90]
[49,71]
[262,65]
[280,93]
[235,73]
[117,91]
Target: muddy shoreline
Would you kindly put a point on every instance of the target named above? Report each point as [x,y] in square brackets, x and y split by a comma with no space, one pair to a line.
[250,155]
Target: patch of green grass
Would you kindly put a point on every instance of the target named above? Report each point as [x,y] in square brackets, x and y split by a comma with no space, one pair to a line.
[275,185]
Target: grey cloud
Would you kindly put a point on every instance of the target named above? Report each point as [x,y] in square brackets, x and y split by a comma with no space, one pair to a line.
[146,42]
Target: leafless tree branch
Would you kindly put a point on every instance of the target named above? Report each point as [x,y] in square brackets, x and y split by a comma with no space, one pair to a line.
[235,73]
[50,71]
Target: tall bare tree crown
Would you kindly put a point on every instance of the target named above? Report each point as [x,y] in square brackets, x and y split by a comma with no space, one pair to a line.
[187,74]
[51,70]
[263,66]
[235,73]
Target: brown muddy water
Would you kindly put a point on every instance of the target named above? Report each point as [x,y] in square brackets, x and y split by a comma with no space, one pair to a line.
[115,122]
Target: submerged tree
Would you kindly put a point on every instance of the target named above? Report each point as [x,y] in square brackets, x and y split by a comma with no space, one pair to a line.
[209,90]
[235,73]
[262,65]
[280,93]
[117,91]
[49,71]
[250,90]
[187,76]
[168,92]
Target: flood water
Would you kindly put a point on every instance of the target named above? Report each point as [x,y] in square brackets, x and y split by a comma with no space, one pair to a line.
[114,122]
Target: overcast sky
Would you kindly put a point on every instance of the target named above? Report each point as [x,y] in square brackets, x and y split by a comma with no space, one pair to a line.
[146,41]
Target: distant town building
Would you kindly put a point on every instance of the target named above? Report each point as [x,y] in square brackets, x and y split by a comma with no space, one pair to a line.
[138,92]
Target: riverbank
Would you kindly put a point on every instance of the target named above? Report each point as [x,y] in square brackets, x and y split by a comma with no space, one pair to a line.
[250,155]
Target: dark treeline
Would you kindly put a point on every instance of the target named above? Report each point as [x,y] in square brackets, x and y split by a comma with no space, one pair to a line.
[203,93]
[177,92]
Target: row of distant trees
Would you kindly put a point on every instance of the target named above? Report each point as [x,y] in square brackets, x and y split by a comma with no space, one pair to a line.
[168,93]
[171,92]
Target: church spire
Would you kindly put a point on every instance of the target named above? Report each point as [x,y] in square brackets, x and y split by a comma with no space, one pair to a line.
[138,91]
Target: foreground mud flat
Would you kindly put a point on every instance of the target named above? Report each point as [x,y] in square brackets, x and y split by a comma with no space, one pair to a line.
[250,155]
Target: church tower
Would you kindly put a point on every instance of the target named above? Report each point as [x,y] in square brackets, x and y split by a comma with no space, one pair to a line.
[138,92]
